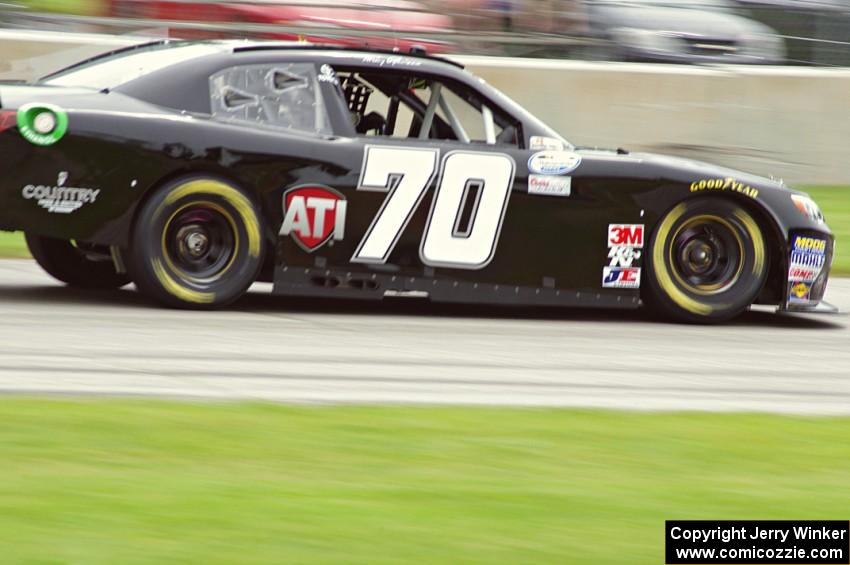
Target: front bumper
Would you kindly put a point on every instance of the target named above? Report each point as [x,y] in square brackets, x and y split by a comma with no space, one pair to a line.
[819,308]
[809,262]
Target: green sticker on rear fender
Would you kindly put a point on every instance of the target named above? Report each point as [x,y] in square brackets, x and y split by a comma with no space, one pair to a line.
[42,124]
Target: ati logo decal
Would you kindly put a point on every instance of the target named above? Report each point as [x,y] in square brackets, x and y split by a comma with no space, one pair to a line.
[313,215]
[621,277]
[625,234]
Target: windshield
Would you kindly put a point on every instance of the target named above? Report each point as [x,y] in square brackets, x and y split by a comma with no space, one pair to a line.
[118,68]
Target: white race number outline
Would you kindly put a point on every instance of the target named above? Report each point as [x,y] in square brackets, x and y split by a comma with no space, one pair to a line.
[406,173]
[443,245]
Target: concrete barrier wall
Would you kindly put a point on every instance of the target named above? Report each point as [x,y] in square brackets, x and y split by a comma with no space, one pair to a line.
[792,123]
[30,54]
[789,122]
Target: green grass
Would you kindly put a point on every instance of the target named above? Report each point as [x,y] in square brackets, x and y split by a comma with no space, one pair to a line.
[79,7]
[104,482]
[834,200]
[835,203]
[13,245]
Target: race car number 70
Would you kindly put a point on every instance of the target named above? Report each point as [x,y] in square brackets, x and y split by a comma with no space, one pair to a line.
[406,173]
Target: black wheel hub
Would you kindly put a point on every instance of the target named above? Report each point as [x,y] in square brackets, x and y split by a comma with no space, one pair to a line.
[200,242]
[707,255]
[193,241]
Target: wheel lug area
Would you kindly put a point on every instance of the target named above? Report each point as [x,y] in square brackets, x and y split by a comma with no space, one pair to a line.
[193,241]
[197,243]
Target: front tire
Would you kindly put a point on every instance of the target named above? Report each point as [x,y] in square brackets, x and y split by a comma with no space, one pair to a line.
[707,261]
[74,263]
[196,243]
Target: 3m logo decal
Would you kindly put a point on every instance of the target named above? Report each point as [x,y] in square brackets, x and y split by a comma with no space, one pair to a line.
[625,234]
[313,215]
[621,277]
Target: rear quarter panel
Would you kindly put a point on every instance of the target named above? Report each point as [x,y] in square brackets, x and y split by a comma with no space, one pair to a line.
[125,155]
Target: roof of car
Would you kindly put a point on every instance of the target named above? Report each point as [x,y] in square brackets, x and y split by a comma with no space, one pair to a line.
[254,45]
[354,55]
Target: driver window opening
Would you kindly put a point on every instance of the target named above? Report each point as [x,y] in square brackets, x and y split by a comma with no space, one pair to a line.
[404,106]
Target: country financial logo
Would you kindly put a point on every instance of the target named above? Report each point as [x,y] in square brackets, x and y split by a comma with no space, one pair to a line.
[313,215]
[60,199]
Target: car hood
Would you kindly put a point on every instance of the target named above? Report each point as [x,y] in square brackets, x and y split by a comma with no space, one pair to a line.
[695,169]
[686,170]
[681,21]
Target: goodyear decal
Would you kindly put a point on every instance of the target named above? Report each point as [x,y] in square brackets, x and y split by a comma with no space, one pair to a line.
[728,184]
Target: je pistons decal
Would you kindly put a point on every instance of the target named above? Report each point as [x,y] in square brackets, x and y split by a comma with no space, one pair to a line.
[313,215]
[620,277]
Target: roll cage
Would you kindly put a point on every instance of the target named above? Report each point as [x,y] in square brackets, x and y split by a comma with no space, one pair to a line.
[358,85]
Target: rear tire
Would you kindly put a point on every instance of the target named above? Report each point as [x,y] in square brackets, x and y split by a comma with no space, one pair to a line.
[74,264]
[197,242]
[707,261]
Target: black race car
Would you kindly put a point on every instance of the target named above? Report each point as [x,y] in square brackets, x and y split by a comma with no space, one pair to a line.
[195,168]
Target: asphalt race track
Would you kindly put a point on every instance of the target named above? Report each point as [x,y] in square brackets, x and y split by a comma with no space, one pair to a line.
[60,341]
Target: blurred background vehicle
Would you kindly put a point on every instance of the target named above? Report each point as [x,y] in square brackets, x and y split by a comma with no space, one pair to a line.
[316,20]
[683,31]
[788,32]
[815,31]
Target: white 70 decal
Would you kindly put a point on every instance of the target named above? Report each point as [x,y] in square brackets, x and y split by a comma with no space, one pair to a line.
[406,173]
